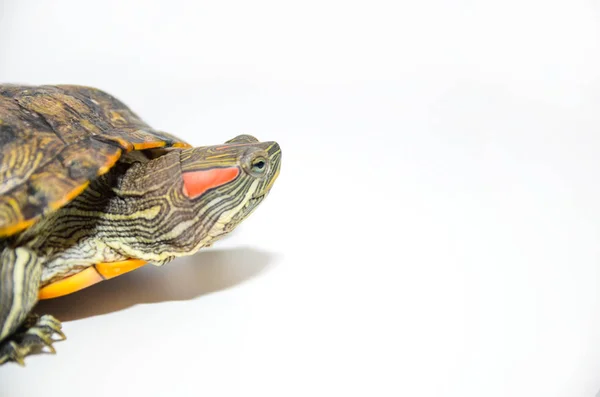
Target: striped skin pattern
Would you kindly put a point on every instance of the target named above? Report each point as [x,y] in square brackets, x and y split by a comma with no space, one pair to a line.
[23,293]
[139,210]
[84,181]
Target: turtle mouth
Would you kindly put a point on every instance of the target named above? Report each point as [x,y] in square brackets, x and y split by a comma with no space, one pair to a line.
[255,200]
[258,196]
[248,208]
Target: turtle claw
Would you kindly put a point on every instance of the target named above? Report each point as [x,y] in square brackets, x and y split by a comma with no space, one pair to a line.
[12,351]
[49,323]
[35,334]
[61,334]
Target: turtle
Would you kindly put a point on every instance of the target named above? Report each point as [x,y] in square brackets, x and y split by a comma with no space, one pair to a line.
[89,191]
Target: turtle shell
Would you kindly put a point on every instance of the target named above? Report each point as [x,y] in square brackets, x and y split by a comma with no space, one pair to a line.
[54,140]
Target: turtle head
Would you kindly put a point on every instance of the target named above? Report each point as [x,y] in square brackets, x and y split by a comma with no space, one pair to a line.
[225,183]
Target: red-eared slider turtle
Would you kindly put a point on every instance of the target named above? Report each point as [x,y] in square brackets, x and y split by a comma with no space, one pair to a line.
[88,191]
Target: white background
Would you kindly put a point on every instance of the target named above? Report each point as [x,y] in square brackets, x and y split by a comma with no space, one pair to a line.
[435,230]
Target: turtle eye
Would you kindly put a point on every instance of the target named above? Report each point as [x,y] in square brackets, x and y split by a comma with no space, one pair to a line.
[259,166]
[256,163]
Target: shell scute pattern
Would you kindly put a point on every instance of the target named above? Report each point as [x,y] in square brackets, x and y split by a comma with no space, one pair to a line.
[54,140]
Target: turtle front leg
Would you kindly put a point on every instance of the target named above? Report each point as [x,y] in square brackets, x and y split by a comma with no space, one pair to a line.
[21,332]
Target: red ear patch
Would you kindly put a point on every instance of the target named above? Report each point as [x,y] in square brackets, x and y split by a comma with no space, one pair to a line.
[195,183]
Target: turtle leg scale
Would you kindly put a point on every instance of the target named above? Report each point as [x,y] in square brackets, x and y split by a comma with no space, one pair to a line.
[35,334]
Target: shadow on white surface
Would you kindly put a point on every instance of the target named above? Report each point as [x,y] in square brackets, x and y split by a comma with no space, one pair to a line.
[183,279]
